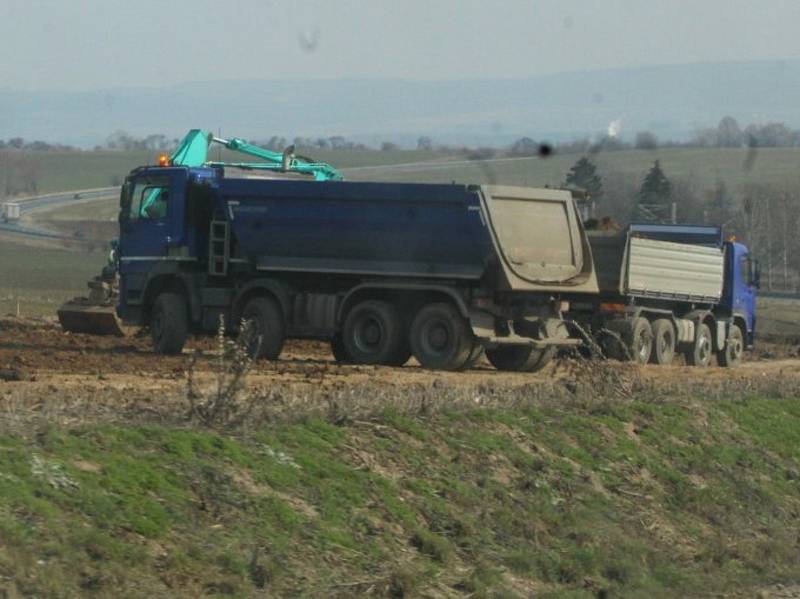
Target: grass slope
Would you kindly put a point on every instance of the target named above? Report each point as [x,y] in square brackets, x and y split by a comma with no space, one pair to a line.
[645,498]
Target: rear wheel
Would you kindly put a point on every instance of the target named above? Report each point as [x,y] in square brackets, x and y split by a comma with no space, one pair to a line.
[640,340]
[339,351]
[265,329]
[663,342]
[373,333]
[731,355]
[701,350]
[474,356]
[520,358]
[169,323]
[441,338]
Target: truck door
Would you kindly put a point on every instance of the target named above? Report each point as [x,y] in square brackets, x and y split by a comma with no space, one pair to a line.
[743,283]
[150,222]
[144,219]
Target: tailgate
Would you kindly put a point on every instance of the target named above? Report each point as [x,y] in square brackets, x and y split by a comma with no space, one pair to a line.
[538,235]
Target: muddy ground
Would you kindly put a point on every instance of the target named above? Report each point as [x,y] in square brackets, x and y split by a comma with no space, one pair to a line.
[39,364]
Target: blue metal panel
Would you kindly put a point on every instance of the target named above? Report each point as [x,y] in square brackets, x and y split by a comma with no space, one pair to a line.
[695,234]
[369,228]
[738,295]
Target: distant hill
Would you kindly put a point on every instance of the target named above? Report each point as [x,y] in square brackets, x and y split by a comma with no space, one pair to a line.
[672,101]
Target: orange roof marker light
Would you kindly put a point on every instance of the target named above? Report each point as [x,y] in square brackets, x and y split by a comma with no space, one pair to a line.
[163,160]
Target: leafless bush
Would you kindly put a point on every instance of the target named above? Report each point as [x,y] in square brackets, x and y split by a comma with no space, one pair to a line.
[226,405]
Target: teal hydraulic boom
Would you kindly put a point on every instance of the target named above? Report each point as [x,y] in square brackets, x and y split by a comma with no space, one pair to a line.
[193,152]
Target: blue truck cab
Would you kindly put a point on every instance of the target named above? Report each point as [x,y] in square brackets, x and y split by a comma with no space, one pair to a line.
[381,270]
[742,280]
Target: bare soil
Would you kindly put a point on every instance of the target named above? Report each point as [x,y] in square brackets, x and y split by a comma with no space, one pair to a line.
[38,360]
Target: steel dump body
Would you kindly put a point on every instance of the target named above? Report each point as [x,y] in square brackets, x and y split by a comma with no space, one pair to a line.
[519,239]
[629,265]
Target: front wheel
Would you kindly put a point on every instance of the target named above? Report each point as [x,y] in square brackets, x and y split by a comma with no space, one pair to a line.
[169,323]
[732,353]
[520,358]
[441,338]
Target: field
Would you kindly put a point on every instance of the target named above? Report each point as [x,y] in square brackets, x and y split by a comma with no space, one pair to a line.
[126,475]
[84,170]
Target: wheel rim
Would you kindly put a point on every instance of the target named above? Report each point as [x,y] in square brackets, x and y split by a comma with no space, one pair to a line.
[703,349]
[642,348]
[253,334]
[436,337]
[369,334]
[736,348]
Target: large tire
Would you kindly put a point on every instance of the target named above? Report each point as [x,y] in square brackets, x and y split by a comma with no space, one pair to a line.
[731,355]
[663,342]
[441,338]
[169,323]
[373,333]
[475,356]
[702,348]
[339,351]
[639,340]
[268,328]
[520,358]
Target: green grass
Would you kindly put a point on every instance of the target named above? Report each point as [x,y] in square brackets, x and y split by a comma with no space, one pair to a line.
[560,500]
[41,279]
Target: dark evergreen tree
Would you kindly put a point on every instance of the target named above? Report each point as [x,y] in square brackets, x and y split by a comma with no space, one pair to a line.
[583,175]
[656,188]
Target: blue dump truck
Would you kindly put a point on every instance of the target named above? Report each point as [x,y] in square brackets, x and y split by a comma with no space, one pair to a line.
[667,289]
[382,270]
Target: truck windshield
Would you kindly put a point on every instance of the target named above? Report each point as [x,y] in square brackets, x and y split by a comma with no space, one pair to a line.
[150,199]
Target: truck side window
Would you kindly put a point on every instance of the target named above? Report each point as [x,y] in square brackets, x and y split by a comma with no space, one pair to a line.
[150,199]
[747,270]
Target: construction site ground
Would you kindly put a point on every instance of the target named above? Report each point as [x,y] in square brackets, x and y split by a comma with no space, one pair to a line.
[36,355]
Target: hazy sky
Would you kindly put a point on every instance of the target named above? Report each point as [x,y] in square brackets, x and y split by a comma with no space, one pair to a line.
[90,44]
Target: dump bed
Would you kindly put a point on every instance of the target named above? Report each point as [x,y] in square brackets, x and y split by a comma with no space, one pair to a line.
[632,263]
[511,238]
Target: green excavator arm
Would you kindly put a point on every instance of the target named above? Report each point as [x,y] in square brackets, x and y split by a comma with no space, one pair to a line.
[193,152]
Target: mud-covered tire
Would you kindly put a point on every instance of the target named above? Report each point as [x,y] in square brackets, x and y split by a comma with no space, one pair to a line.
[520,358]
[339,351]
[478,351]
[402,355]
[731,355]
[268,333]
[663,350]
[441,338]
[169,323]
[639,340]
[702,348]
[372,333]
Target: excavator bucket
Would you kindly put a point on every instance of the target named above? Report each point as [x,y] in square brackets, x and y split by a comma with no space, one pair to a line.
[80,316]
[96,314]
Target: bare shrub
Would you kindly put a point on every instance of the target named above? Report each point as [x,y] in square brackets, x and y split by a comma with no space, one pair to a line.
[226,405]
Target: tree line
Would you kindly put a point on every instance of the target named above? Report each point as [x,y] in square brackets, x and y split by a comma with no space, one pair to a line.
[762,215]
